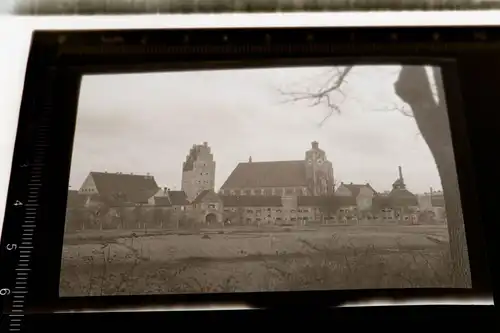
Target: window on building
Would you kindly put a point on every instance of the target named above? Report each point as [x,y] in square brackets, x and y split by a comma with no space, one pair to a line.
[306,218]
[293,211]
[278,210]
[293,219]
[278,219]
[249,211]
[258,219]
[212,206]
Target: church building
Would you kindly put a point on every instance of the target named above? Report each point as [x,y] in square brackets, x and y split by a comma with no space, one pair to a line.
[312,176]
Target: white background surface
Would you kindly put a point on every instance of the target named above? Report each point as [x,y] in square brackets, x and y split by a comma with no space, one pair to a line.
[15,38]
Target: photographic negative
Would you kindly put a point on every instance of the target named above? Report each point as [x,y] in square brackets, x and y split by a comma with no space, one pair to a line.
[270,179]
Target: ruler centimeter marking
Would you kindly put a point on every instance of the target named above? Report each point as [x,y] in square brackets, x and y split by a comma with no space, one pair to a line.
[27,233]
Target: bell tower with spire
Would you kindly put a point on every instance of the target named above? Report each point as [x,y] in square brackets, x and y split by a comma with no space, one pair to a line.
[399,184]
[319,171]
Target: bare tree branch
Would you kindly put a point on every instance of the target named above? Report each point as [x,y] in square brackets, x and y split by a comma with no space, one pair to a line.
[399,108]
[325,94]
[322,95]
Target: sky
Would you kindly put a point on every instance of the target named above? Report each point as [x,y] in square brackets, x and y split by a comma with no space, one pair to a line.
[147,122]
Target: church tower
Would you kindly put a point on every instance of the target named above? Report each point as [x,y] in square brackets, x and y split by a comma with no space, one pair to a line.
[198,171]
[399,184]
[319,171]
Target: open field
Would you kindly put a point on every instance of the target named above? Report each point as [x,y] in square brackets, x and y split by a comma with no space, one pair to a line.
[235,259]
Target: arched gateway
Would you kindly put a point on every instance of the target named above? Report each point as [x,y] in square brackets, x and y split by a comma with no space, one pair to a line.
[211,218]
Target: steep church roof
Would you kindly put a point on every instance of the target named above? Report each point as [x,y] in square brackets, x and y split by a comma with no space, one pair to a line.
[267,174]
[125,187]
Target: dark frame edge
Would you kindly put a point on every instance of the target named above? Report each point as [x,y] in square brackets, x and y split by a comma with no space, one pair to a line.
[68,82]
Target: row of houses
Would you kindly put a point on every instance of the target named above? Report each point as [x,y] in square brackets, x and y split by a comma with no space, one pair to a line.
[117,200]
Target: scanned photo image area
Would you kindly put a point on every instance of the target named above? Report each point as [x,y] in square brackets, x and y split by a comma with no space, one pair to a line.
[269,179]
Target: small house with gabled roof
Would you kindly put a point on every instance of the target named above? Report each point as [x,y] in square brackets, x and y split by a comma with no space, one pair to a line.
[119,188]
[363,194]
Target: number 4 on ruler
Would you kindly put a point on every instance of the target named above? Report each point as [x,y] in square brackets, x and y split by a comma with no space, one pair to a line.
[18,203]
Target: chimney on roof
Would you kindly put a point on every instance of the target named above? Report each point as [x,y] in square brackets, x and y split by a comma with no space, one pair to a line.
[205,144]
[401,173]
[315,145]
[250,159]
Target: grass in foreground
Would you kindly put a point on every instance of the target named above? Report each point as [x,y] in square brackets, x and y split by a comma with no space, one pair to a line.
[325,268]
